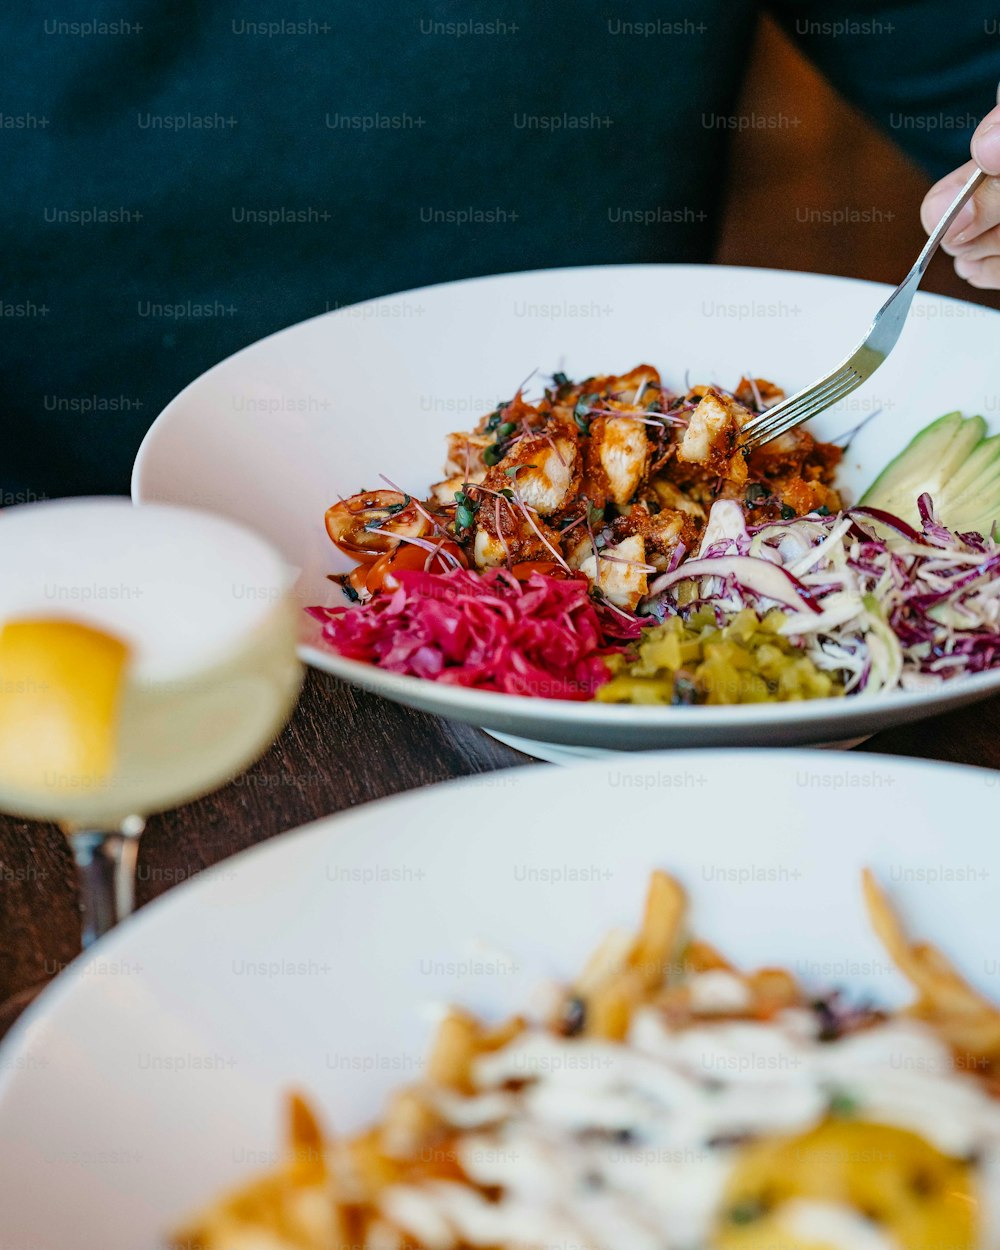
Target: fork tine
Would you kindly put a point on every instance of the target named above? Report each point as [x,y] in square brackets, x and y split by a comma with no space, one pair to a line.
[818,403]
[759,428]
[788,421]
[803,399]
[806,405]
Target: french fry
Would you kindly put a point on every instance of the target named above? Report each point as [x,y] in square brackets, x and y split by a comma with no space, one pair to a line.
[306,1145]
[409,1121]
[703,957]
[610,1007]
[452,1052]
[773,990]
[967,1021]
[888,928]
[951,992]
[371,1168]
[660,932]
[500,1035]
[293,1207]
[606,963]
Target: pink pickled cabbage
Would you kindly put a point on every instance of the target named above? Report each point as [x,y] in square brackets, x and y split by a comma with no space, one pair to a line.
[544,637]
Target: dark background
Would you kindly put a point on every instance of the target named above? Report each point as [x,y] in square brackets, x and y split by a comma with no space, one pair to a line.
[197,174]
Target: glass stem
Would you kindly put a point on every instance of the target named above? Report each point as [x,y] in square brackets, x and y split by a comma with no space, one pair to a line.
[105,863]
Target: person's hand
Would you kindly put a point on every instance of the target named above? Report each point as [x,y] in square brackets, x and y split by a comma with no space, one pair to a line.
[974,237]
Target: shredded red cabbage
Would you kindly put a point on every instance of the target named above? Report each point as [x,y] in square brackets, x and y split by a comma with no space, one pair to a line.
[865,594]
[897,607]
[544,637]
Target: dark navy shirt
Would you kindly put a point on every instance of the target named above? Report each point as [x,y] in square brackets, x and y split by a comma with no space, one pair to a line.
[184,177]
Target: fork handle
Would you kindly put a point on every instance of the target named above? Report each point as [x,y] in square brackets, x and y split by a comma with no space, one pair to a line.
[941,229]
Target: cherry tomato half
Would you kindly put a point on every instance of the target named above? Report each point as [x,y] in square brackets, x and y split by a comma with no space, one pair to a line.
[357,579]
[365,526]
[382,574]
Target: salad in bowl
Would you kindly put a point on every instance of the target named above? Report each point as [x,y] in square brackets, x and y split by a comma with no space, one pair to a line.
[611,541]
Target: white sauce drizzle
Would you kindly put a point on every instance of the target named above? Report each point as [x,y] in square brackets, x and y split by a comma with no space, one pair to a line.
[830,1224]
[629,1147]
[719,991]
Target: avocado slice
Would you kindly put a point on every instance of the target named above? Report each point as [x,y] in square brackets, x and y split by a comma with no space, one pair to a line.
[954,462]
[972,497]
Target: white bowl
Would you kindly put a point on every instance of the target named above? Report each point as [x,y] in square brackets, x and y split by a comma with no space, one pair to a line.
[151,1074]
[274,434]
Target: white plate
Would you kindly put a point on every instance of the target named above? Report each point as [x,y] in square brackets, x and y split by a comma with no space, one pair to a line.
[274,434]
[556,753]
[151,1073]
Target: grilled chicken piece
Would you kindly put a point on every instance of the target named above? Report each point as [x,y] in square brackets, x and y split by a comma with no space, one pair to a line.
[465,455]
[797,469]
[487,550]
[576,548]
[616,459]
[711,436]
[622,579]
[805,494]
[606,391]
[789,451]
[661,532]
[550,474]
[623,385]
[504,532]
[623,451]
[671,497]
[443,493]
[749,391]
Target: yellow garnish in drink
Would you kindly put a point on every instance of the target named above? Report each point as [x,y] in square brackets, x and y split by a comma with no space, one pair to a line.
[60,687]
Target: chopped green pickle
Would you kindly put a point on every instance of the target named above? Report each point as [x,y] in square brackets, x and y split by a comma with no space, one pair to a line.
[694,661]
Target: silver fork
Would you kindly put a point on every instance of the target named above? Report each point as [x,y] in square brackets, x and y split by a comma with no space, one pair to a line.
[883,335]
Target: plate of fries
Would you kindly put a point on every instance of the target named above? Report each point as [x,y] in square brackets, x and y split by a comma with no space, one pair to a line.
[246,1066]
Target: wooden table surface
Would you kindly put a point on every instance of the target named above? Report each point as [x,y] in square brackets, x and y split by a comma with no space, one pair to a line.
[344,746]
